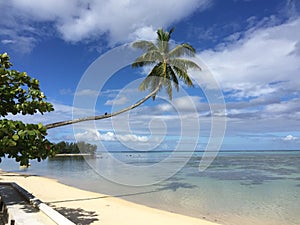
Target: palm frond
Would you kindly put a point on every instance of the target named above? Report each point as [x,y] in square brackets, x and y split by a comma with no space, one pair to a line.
[162,35]
[163,38]
[181,50]
[145,45]
[184,63]
[171,31]
[173,77]
[153,79]
[139,63]
[148,58]
[145,84]
[156,82]
[183,75]
[168,85]
[159,33]
[167,81]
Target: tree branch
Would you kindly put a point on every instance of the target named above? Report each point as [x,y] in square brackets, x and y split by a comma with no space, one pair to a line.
[104,116]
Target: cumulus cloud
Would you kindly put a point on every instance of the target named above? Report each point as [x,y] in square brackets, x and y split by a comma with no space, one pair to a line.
[94,135]
[262,62]
[259,73]
[77,20]
[289,138]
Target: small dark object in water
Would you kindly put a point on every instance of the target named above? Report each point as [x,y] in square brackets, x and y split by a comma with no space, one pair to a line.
[105,113]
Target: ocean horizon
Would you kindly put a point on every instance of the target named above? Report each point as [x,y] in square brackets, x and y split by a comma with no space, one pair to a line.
[239,187]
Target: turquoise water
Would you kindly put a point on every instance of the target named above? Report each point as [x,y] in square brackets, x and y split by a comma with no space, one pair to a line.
[238,187]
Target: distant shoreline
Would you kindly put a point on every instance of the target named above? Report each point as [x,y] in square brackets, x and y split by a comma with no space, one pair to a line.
[197,151]
[73,154]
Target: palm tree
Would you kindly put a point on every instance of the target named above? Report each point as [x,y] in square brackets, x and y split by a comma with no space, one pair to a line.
[169,65]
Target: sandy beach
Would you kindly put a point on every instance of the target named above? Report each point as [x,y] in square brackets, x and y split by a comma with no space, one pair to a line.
[84,207]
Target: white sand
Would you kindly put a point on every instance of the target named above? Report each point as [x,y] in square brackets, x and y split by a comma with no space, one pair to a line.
[93,208]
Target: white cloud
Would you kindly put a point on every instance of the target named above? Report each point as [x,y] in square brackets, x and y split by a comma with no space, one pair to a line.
[132,137]
[121,19]
[24,44]
[118,101]
[259,73]
[249,90]
[289,138]
[87,92]
[286,107]
[183,105]
[146,33]
[263,56]
[187,103]
[93,135]
[77,20]
[258,70]
[7,42]
[165,107]
[45,10]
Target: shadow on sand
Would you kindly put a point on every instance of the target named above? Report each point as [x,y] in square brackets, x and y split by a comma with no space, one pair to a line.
[78,215]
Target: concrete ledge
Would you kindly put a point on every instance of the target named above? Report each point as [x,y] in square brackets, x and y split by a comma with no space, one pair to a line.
[14,212]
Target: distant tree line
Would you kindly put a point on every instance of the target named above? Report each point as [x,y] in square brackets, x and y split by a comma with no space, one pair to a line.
[75,148]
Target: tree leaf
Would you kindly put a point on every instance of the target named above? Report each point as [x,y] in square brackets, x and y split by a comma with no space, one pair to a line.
[15,137]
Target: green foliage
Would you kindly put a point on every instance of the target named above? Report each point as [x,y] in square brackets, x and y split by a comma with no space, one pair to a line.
[75,148]
[21,94]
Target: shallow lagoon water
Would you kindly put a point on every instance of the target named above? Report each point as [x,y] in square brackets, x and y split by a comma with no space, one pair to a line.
[238,187]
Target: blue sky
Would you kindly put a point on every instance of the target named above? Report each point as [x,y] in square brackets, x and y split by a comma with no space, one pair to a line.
[251,48]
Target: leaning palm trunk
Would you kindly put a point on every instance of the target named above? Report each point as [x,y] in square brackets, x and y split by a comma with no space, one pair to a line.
[104,116]
[169,68]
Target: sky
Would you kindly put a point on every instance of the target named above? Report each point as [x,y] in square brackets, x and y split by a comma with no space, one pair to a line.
[250,50]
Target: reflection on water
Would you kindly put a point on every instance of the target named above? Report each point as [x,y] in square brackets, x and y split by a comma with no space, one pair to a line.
[238,188]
